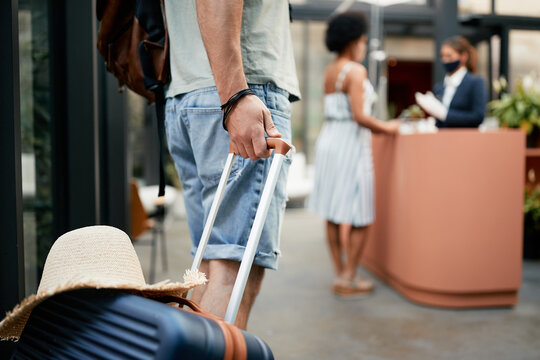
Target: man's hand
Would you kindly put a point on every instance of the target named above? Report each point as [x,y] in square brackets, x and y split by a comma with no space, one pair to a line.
[247,123]
[220,23]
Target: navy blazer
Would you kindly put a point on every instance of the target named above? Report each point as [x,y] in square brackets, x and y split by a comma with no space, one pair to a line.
[468,107]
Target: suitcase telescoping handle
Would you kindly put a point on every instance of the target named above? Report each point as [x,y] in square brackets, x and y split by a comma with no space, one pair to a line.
[281,147]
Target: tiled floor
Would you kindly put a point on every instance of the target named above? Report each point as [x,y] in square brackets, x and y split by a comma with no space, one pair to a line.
[299,318]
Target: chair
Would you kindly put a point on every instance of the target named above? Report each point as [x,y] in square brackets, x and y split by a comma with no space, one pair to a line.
[141,222]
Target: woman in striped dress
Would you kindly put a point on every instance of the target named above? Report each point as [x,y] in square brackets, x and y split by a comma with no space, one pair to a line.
[343,192]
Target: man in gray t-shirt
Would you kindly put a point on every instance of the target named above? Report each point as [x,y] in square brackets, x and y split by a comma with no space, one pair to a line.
[220,49]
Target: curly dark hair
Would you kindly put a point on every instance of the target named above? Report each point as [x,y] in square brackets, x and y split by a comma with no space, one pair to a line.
[344,28]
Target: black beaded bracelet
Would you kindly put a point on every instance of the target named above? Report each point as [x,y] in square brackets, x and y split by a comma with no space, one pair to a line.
[229,105]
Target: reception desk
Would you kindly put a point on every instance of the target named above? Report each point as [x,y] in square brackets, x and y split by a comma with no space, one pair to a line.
[449,217]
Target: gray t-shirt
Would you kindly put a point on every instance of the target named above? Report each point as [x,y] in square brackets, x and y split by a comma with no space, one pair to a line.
[267,52]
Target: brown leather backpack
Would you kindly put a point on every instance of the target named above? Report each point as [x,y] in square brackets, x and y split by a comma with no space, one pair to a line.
[133,40]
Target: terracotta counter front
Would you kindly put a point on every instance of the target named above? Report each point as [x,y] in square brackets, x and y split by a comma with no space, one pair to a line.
[449,216]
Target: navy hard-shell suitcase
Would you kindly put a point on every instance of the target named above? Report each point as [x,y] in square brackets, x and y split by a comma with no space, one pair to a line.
[108,324]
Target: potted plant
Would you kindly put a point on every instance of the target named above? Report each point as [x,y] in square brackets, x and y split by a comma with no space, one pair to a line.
[519,109]
[413,113]
[531,236]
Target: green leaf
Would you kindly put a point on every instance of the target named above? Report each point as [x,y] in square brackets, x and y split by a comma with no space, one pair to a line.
[510,118]
[521,108]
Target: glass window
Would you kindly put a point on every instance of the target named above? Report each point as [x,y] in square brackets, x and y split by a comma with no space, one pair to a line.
[311,58]
[523,44]
[338,2]
[409,48]
[410,68]
[483,61]
[474,6]
[143,145]
[495,62]
[36,137]
[521,7]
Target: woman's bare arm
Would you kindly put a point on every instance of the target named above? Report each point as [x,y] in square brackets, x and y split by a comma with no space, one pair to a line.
[354,87]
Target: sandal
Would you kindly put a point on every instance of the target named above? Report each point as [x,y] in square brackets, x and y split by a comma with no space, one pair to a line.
[347,287]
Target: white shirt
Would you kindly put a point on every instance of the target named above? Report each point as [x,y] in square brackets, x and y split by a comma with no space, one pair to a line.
[451,83]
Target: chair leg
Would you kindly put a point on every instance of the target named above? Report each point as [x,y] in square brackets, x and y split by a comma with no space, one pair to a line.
[163,248]
[153,256]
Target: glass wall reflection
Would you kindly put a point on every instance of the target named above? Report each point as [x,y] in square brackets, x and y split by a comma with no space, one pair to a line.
[36,137]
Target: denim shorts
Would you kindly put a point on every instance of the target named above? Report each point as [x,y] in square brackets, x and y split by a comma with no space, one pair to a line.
[199,146]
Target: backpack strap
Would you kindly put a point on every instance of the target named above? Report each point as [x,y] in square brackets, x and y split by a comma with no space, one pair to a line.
[160,115]
[159,93]
[342,74]
[160,111]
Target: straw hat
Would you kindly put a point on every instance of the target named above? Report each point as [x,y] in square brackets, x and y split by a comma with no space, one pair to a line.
[92,257]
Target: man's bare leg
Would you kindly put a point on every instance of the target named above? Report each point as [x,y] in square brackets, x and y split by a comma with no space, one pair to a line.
[199,290]
[221,277]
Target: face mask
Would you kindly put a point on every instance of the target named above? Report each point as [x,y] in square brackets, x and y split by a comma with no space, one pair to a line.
[450,67]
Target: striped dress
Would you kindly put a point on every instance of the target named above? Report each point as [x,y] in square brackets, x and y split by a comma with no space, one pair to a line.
[343,188]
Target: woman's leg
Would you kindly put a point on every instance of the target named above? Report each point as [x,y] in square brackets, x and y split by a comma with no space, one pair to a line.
[344,235]
[346,284]
[334,244]
[354,251]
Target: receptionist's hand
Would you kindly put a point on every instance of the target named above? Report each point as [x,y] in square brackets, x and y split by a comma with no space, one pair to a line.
[431,105]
